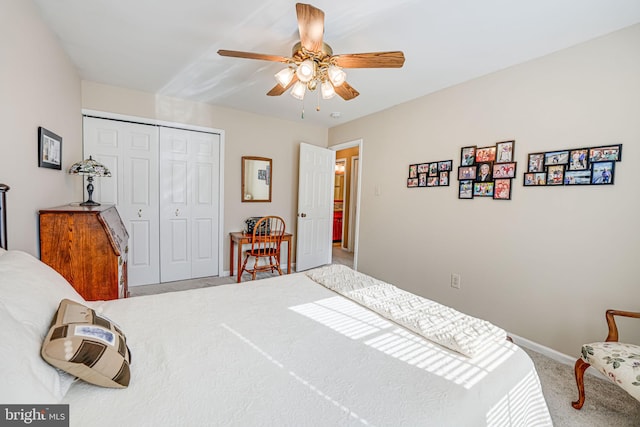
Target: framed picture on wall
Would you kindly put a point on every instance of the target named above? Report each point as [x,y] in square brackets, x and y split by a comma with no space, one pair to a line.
[445,165]
[49,149]
[468,156]
[578,159]
[602,173]
[483,189]
[603,154]
[577,177]
[422,179]
[556,158]
[467,172]
[466,189]
[536,162]
[486,154]
[504,151]
[535,178]
[433,169]
[413,171]
[504,170]
[412,182]
[502,189]
[555,175]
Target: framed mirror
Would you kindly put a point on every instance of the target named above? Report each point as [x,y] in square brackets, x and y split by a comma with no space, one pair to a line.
[256,179]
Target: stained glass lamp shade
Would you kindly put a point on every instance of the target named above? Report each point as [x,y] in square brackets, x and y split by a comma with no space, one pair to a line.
[91,169]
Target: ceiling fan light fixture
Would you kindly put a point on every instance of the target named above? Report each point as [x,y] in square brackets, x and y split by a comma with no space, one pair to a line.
[306,70]
[284,76]
[298,90]
[327,90]
[336,75]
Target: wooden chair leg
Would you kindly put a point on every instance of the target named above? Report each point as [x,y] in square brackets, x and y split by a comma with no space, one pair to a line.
[243,269]
[579,369]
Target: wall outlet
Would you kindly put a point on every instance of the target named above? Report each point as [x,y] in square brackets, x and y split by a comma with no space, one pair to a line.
[455,280]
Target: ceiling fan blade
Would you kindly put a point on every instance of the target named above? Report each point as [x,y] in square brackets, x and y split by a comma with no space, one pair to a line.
[251,55]
[310,26]
[370,60]
[346,92]
[279,90]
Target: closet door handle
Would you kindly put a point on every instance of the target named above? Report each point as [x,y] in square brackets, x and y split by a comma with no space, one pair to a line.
[177,212]
[139,213]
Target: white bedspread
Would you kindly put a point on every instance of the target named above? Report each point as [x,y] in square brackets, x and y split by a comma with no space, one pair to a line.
[289,352]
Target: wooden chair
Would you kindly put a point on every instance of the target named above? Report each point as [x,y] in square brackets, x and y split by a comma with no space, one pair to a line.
[620,362]
[265,245]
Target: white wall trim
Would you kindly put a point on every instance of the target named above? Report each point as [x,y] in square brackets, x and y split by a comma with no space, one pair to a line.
[553,354]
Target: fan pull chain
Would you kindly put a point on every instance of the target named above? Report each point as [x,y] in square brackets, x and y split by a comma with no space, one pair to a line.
[318,106]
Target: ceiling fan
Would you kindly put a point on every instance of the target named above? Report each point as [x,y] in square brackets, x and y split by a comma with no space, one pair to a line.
[312,63]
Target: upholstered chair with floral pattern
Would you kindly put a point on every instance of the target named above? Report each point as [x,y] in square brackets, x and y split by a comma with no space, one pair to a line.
[620,362]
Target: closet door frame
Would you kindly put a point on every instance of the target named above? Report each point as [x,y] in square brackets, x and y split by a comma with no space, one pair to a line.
[220,132]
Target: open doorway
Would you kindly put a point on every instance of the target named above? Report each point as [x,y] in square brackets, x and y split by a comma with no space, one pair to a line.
[346,202]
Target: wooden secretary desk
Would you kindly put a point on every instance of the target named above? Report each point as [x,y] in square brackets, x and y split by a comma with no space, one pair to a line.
[88,246]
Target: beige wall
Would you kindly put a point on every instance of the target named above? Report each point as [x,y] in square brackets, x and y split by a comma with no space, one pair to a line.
[547,264]
[39,87]
[245,135]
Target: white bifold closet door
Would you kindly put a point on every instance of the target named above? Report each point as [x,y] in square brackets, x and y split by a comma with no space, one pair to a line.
[130,151]
[189,197]
[165,183]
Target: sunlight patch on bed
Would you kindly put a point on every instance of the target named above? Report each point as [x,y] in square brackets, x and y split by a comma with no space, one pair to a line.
[297,377]
[356,322]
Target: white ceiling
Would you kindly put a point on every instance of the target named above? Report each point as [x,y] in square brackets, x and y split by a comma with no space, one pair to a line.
[169,47]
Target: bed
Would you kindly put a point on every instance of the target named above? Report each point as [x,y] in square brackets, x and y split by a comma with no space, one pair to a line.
[287,351]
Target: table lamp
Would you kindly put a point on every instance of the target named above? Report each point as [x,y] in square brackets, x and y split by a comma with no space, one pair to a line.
[90,168]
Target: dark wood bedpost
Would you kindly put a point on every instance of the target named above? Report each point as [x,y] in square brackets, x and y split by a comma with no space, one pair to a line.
[3,215]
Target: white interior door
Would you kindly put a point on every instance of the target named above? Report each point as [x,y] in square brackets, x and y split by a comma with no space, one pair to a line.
[130,151]
[315,206]
[189,164]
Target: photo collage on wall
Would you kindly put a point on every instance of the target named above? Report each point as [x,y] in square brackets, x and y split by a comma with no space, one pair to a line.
[580,166]
[432,174]
[487,171]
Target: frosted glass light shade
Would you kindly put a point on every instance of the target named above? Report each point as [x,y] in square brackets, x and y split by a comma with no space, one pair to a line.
[336,75]
[298,91]
[306,70]
[284,76]
[327,90]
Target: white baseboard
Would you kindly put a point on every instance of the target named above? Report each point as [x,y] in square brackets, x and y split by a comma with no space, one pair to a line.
[552,354]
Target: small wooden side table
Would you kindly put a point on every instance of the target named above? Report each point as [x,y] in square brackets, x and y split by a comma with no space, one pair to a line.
[240,238]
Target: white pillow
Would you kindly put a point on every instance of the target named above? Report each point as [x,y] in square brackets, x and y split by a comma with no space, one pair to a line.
[26,377]
[32,291]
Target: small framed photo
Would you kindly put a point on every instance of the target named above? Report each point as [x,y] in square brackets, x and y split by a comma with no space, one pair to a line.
[467,172]
[412,182]
[468,156]
[486,154]
[432,181]
[445,165]
[413,171]
[483,189]
[602,173]
[504,151]
[484,172]
[422,179]
[578,159]
[504,170]
[433,169]
[49,149]
[556,158]
[536,162]
[466,189]
[535,178]
[502,189]
[612,153]
[444,178]
[577,177]
[423,168]
[555,175]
